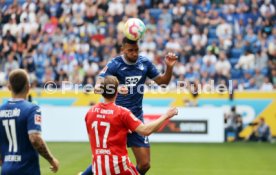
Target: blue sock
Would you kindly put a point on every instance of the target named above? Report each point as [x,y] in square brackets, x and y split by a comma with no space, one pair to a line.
[88,171]
[139,171]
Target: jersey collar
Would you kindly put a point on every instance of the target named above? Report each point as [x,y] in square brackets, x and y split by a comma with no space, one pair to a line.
[127,62]
[16,99]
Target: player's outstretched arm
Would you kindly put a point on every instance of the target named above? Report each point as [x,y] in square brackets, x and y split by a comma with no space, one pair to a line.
[147,129]
[165,78]
[41,147]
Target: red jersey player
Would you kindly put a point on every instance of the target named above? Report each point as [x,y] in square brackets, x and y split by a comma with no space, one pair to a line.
[108,125]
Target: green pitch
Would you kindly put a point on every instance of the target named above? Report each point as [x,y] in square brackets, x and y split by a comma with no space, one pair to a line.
[181,159]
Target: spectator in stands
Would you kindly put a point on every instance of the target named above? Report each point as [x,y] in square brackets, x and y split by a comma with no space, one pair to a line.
[213,48]
[261,60]
[179,9]
[214,18]
[246,61]
[173,45]
[250,37]
[224,33]
[250,85]
[179,70]
[131,9]
[10,27]
[261,132]
[223,65]
[74,29]
[11,64]
[220,79]
[209,57]
[208,67]
[239,42]
[166,16]
[199,37]
[259,78]
[115,7]
[267,85]
[267,9]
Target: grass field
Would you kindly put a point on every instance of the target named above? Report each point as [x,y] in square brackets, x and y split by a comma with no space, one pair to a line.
[181,159]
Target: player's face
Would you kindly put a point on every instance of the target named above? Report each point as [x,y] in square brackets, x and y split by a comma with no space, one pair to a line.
[130,52]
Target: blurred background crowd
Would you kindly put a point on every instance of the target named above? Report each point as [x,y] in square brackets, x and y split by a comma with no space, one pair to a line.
[72,40]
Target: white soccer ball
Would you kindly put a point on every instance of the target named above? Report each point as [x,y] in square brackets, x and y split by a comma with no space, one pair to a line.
[134,29]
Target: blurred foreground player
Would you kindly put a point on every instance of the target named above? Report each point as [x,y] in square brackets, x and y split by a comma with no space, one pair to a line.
[20,131]
[108,125]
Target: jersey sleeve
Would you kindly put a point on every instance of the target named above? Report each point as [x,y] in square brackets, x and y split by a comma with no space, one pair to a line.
[109,69]
[152,71]
[34,120]
[87,122]
[130,121]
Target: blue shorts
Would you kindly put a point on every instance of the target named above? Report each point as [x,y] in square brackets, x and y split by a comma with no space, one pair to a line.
[136,140]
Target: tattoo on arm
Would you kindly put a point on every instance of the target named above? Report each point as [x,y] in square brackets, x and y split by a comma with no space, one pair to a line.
[41,147]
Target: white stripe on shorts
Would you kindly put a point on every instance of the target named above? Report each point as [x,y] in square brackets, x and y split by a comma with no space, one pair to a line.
[124,163]
[99,165]
[116,165]
[107,167]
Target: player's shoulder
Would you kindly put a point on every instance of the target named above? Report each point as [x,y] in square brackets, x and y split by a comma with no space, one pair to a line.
[143,58]
[123,109]
[116,60]
[32,106]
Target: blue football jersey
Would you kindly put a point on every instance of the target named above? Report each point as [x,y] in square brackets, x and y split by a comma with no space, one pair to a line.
[133,76]
[18,118]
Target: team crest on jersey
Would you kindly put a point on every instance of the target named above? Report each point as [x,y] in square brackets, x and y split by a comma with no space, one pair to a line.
[141,67]
[132,80]
[37,119]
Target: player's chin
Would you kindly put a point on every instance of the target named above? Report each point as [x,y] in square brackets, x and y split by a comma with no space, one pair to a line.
[133,60]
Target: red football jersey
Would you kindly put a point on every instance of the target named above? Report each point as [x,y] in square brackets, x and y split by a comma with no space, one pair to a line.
[107,126]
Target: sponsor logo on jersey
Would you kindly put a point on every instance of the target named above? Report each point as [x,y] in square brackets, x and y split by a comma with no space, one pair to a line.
[124,68]
[141,67]
[132,80]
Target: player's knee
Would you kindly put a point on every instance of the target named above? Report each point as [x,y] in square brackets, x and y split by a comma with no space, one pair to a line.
[144,167]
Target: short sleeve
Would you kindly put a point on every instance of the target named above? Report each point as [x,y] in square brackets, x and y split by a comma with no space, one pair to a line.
[152,71]
[109,69]
[34,120]
[87,121]
[130,121]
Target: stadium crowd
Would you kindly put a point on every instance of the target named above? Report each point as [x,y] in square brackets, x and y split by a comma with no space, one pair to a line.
[72,40]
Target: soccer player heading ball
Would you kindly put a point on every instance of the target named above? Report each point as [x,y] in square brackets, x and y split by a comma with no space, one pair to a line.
[132,70]
[108,125]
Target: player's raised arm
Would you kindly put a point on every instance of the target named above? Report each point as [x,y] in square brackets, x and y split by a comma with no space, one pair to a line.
[147,129]
[41,147]
[165,78]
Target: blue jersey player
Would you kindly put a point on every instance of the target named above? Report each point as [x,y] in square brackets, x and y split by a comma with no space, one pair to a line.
[131,69]
[20,128]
